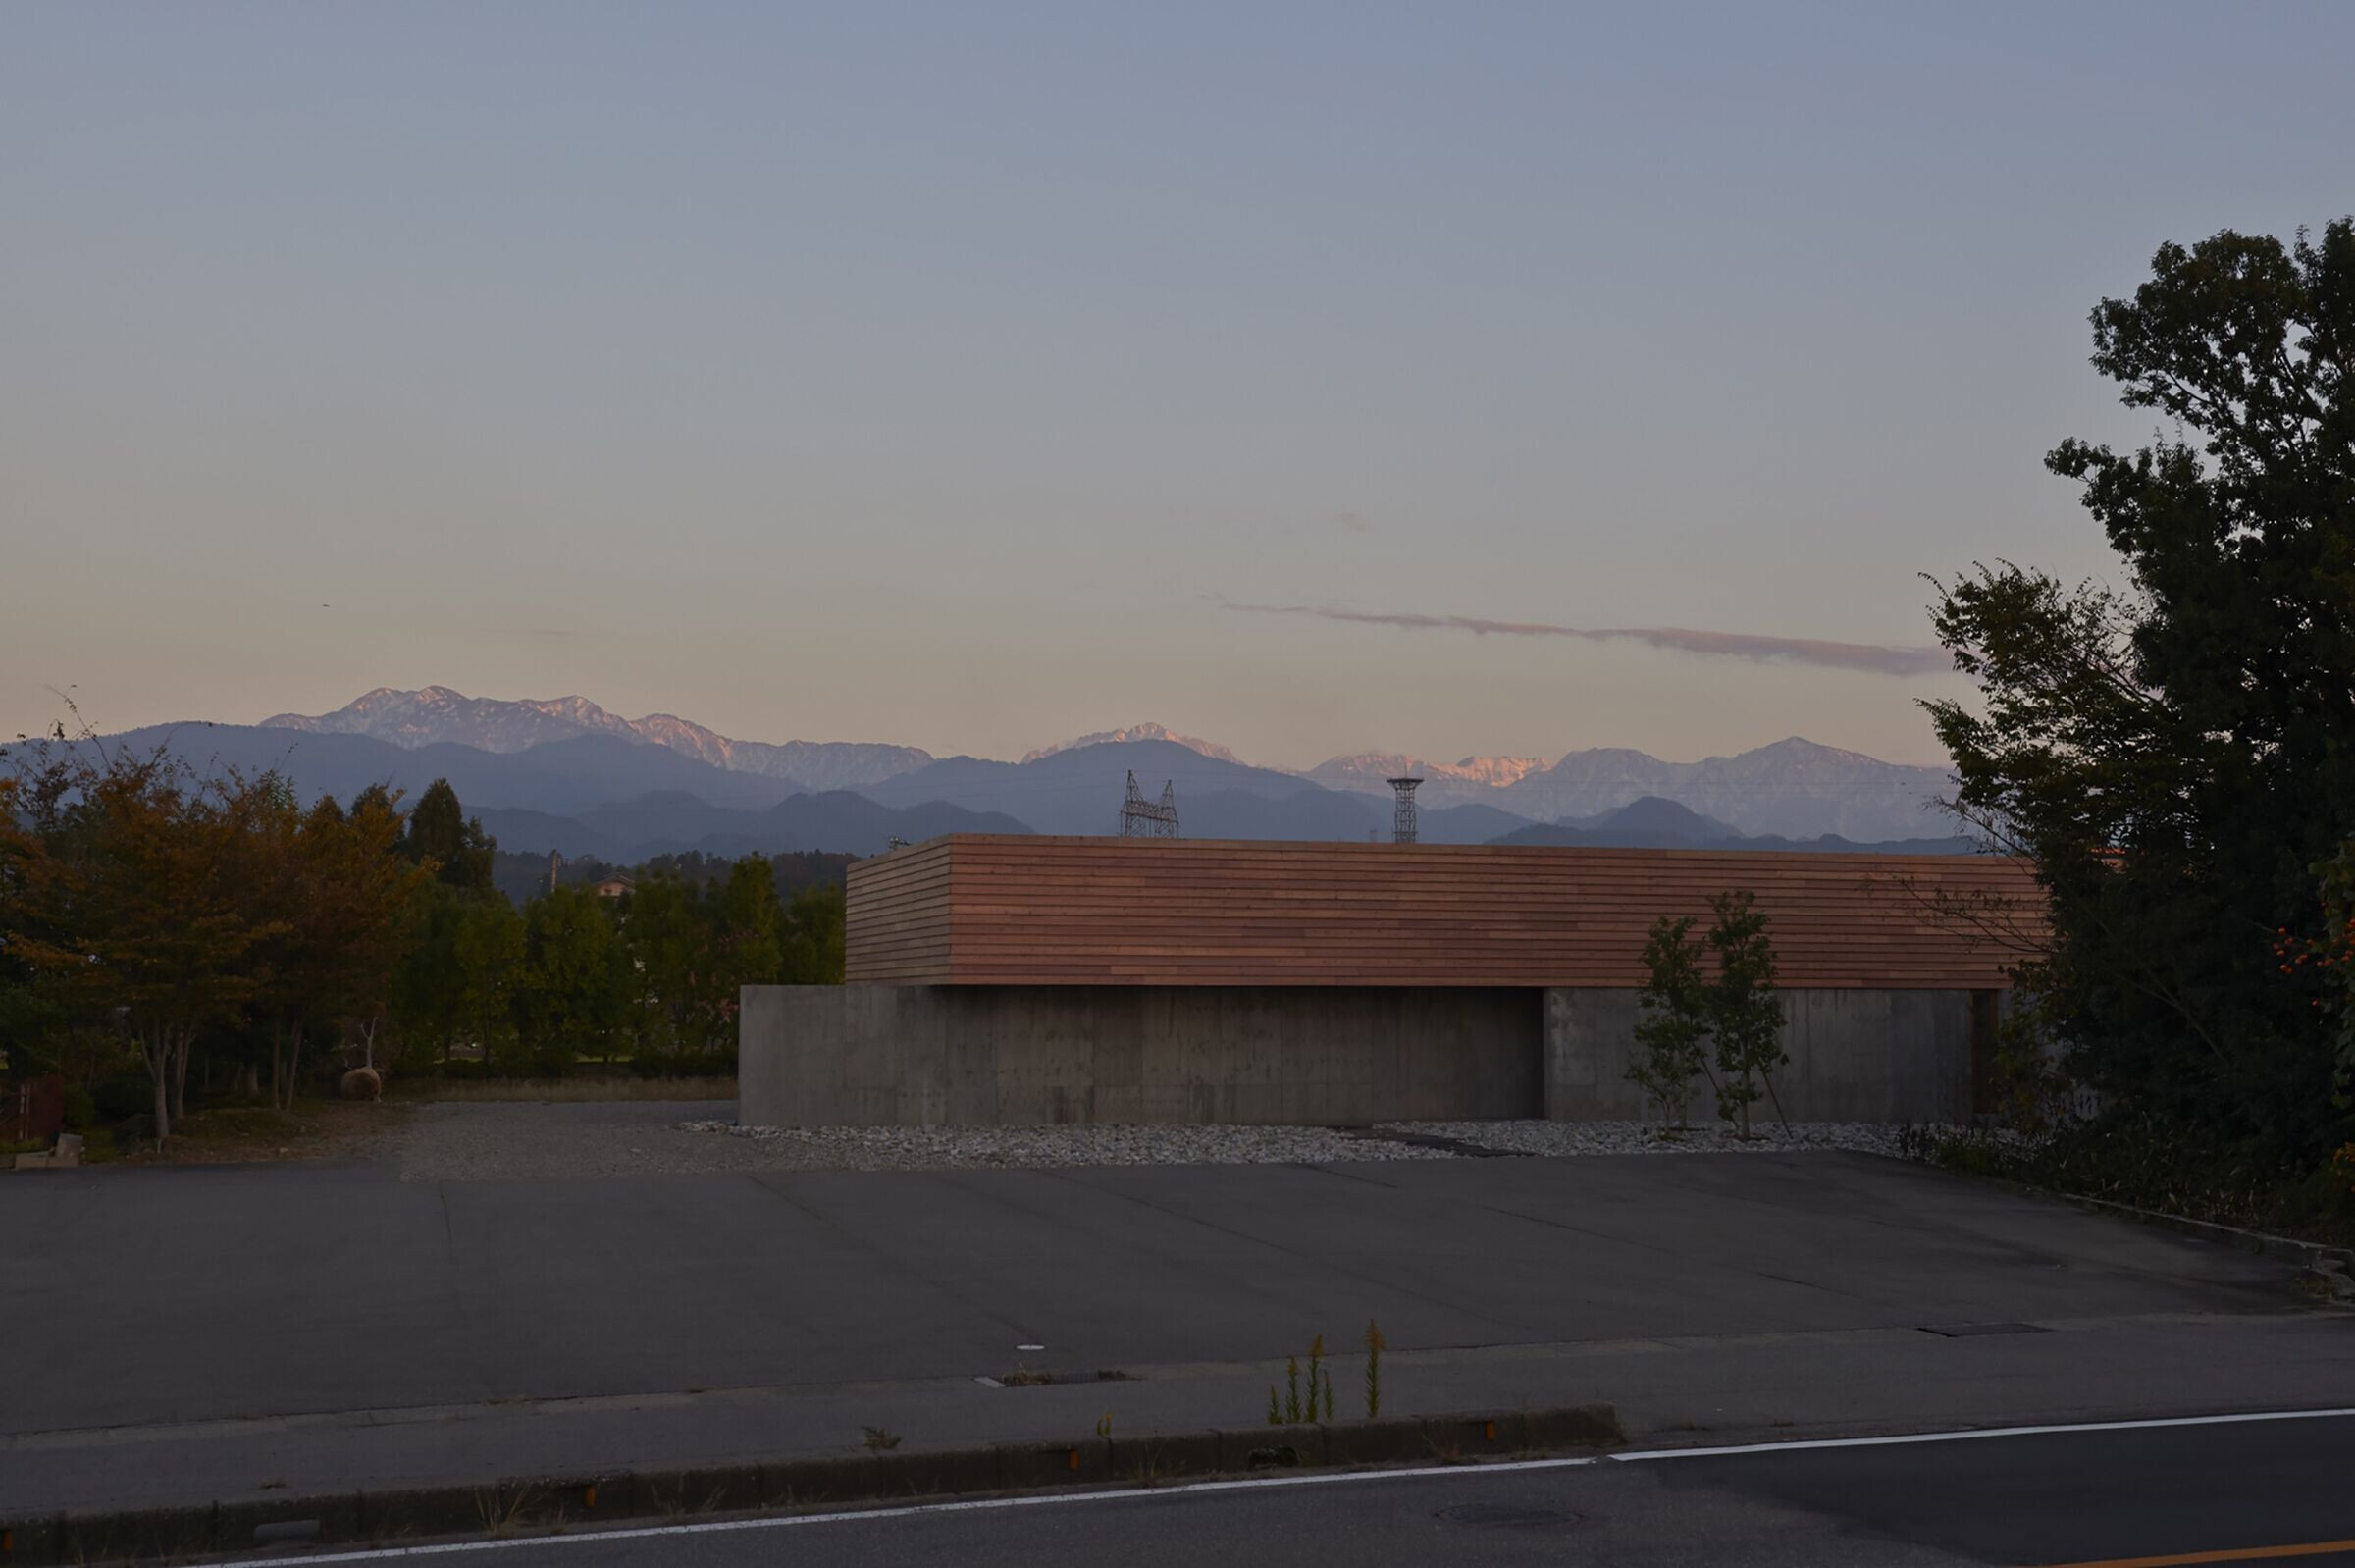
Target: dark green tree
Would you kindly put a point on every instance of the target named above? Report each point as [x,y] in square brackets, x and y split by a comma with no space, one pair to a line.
[813,936]
[1673,1031]
[1745,1015]
[2177,755]
[441,835]
[573,991]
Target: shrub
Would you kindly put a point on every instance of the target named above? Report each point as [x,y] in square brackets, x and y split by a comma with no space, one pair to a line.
[117,1098]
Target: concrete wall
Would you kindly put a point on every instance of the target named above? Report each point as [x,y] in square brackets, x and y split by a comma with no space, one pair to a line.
[1855,1055]
[1013,1056]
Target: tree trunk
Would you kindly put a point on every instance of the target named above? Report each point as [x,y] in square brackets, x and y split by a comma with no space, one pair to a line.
[293,1067]
[156,1052]
[163,1111]
[179,1081]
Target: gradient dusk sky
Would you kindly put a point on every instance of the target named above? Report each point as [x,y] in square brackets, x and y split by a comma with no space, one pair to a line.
[1309,378]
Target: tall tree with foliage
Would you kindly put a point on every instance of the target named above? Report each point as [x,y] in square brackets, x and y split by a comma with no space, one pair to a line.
[1672,1033]
[443,836]
[813,936]
[132,903]
[574,987]
[2177,755]
[1744,1013]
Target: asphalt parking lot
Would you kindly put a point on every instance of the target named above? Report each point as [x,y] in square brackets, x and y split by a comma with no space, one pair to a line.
[333,1317]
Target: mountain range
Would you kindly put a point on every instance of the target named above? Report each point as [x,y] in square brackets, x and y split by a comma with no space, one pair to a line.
[566,774]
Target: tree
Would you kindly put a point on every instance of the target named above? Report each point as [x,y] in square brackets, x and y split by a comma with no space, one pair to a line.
[668,932]
[454,983]
[441,836]
[2177,755]
[1674,1027]
[333,889]
[574,983]
[752,928]
[813,939]
[133,904]
[1745,1015]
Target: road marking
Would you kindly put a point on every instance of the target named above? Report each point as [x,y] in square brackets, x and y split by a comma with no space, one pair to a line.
[1972,1433]
[1058,1500]
[2312,1548]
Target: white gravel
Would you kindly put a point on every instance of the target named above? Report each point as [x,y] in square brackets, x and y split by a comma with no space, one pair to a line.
[1033,1148]
[1645,1137]
[492,1140]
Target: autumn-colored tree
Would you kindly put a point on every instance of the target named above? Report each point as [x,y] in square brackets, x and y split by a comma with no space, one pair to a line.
[133,904]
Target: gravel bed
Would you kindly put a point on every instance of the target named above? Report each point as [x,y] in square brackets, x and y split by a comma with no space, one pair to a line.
[1036,1148]
[1643,1138]
[492,1140]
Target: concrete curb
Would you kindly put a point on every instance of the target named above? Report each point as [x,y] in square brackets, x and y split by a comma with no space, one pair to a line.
[544,1503]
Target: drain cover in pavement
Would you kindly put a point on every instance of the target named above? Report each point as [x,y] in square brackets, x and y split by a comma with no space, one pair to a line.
[1971,1331]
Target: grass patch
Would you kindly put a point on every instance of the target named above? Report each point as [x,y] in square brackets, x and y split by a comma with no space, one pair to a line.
[2148,1165]
[238,1135]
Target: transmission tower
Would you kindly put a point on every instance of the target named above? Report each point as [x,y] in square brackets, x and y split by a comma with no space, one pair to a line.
[1402,817]
[1142,818]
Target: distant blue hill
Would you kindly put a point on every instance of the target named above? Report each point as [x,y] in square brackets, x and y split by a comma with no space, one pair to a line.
[1653,824]
[668,824]
[1080,790]
[561,776]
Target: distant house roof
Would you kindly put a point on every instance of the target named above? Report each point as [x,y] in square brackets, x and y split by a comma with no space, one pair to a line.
[615,885]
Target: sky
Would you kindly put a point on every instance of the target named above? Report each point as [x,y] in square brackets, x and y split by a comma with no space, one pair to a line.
[1314,379]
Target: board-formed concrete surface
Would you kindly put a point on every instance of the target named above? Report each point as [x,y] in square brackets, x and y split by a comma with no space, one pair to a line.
[329,1315]
[1026,1055]
[1856,1054]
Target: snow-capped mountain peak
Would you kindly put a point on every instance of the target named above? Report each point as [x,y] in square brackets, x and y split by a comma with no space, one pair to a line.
[1138,732]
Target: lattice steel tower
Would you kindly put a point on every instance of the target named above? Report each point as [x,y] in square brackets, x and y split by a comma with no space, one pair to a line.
[1402,817]
[1142,818]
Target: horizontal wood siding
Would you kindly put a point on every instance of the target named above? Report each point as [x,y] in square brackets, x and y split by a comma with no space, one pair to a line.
[896,915]
[973,910]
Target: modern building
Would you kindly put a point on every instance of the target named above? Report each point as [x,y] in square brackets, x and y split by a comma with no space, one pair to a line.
[1003,980]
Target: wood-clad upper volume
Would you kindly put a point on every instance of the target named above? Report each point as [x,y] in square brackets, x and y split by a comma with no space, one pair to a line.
[992,910]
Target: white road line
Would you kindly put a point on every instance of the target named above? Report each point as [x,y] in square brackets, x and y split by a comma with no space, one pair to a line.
[1969,1434]
[1061,1499]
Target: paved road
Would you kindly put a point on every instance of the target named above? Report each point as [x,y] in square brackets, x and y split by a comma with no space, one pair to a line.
[2167,1494]
[184,1336]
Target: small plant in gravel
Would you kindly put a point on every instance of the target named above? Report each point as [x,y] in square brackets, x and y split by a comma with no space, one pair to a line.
[1104,1424]
[1275,1411]
[1372,1368]
[1292,1387]
[1316,1365]
[879,1439]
